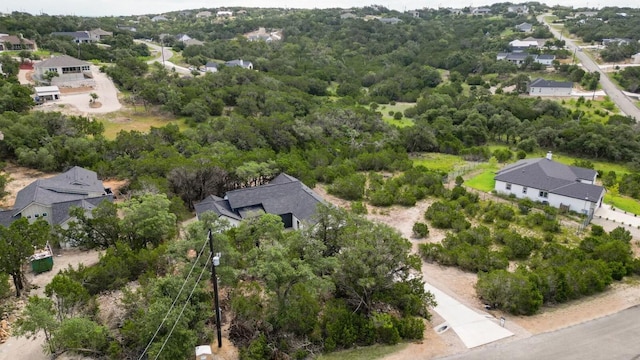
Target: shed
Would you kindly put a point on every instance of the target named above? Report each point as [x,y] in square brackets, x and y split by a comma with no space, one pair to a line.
[47,93]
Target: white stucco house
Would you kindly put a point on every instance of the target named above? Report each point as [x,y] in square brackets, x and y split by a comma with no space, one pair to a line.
[542,87]
[550,182]
[285,196]
[71,71]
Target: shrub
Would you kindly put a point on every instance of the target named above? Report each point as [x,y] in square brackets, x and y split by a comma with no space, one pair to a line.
[397,115]
[386,332]
[358,207]
[410,327]
[420,230]
[350,187]
[5,288]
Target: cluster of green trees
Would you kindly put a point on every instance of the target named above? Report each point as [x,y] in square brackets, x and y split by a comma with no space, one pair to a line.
[548,272]
[609,23]
[629,78]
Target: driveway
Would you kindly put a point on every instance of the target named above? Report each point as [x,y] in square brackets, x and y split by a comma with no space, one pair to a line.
[610,218]
[104,88]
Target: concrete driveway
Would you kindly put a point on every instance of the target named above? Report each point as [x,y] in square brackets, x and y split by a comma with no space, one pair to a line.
[474,329]
[104,88]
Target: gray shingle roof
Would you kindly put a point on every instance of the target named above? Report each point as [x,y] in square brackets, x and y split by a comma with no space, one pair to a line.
[60,211]
[73,34]
[551,176]
[77,183]
[283,195]
[61,60]
[540,82]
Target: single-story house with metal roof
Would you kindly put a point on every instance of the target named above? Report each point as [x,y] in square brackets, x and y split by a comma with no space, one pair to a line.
[284,196]
[542,87]
[550,182]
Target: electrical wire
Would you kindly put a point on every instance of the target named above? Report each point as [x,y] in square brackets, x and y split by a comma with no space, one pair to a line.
[184,307]
[174,300]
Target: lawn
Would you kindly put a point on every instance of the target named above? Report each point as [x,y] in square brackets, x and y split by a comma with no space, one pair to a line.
[622,202]
[598,165]
[485,180]
[129,120]
[398,107]
[439,162]
[364,353]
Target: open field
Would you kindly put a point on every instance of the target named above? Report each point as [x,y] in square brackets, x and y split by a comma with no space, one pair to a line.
[484,181]
[624,203]
[401,107]
[142,121]
[439,162]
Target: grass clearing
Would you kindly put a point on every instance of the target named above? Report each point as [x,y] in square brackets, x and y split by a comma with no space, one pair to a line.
[363,353]
[397,107]
[624,203]
[598,165]
[129,120]
[439,162]
[485,180]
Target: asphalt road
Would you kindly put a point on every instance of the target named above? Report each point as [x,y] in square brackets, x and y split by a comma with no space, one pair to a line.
[165,59]
[613,337]
[623,102]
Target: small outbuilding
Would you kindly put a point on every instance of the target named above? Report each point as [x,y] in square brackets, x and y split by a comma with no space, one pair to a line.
[203,352]
[47,93]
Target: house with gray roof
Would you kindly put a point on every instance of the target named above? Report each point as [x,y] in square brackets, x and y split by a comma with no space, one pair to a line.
[524,27]
[542,87]
[520,58]
[71,71]
[16,42]
[284,196]
[51,199]
[241,63]
[544,180]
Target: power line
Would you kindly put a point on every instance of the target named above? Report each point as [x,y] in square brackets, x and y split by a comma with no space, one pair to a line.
[184,307]
[174,301]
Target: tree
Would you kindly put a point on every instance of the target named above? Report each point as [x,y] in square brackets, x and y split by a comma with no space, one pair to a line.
[17,243]
[49,75]
[100,230]
[93,97]
[80,335]
[38,315]
[68,295]
[147,219]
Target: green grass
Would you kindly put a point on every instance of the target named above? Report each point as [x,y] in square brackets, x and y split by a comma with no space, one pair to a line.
[598,165]
[485,180]
[401,107]
[364,353]
[129,120]
[439,162]
[624,203]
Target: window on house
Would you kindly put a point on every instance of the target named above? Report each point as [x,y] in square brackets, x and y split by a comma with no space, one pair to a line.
[55,70]
[508,187]
[524,189]
[28,216]
[544,194]
[37,215]
[44,214]
[86,68]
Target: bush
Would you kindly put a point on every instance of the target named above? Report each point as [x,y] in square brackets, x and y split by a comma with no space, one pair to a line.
[386,332]
[420,230]
[350,187]
[397,115]
[358,207]
[411,328]
[5,288]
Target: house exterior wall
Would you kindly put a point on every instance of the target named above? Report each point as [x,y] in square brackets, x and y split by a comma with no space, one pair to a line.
[547,62]
[66,78]
[555,200]
[545,91]
[36,211]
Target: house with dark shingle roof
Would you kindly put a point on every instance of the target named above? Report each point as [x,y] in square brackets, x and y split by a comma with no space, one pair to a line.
[524,27]
[547,181]
[16,42]
[542,87]
[51,199]
[284,196]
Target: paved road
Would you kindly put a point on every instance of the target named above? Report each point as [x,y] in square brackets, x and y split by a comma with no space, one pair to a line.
[167,55]
[624,103]
[613,337]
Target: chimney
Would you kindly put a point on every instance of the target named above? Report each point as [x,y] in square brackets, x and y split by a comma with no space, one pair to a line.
[549,155]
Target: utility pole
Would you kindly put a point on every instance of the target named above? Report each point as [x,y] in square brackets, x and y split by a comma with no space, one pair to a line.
[215,262]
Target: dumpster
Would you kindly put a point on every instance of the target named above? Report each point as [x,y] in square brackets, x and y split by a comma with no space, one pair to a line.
[42,260]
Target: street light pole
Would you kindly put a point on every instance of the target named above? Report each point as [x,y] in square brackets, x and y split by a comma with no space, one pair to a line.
[215,262]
